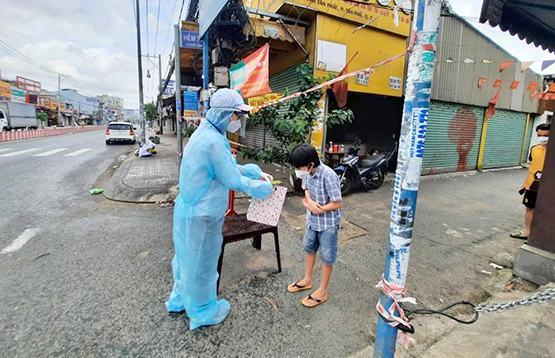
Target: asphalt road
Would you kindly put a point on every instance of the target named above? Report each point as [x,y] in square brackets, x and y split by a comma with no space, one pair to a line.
[85,276]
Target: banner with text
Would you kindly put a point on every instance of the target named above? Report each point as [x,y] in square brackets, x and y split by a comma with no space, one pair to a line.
[251,76]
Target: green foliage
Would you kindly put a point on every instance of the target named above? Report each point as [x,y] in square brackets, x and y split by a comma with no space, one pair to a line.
[42,116]
[290,122]
[189,130]
[150,111]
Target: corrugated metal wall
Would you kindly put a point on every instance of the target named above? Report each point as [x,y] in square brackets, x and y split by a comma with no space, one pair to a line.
[457,81]
[257,136]
[504,139]
[453,137]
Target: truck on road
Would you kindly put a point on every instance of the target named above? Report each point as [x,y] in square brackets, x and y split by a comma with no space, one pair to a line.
[15,115]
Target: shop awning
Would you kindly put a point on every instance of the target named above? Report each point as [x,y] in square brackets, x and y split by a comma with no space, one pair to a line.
[278,31]
[532,20]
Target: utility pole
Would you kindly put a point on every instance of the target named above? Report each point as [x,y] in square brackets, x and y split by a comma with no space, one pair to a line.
[58,99]
[161,125]
[409,162]
[178,104]
[142,137]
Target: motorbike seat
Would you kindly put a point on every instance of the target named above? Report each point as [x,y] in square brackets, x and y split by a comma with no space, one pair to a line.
[372,160]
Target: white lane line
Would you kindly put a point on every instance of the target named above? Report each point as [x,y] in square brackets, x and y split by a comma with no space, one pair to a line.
[5,149]
[77,152]
[50,152]
[20,241]
[13,154]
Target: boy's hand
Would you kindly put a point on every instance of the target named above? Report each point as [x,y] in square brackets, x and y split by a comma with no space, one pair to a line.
[312,206]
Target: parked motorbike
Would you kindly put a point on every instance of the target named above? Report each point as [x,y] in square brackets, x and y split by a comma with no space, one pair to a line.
[366,174]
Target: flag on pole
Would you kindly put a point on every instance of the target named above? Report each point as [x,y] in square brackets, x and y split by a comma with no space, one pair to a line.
[547,63]
[532,85]
[525,65]
[514,84]
[505,64]
[492,103]
[251,76]
[497,83]
[482,81]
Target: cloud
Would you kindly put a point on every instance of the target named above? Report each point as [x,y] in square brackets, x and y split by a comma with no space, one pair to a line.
[92,41]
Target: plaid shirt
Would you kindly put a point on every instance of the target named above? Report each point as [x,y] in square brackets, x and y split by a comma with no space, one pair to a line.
[323,188]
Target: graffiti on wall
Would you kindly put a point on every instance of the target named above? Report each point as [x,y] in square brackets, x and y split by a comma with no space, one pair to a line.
[462,131]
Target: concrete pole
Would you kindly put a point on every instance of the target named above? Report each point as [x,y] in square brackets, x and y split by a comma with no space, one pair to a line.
[160,94]
[58,99]
[142,136]
[178,104]
[409,162]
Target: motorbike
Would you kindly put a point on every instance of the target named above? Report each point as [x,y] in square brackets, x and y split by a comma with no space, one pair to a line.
[366,174]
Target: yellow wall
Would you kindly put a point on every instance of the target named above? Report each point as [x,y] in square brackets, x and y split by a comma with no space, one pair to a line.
[375,15]
[372,45]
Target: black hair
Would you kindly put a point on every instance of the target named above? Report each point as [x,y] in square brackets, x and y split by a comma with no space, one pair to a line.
[303,155]
[543,127]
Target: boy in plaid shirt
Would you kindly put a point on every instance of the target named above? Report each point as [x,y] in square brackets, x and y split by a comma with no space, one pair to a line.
[323,203]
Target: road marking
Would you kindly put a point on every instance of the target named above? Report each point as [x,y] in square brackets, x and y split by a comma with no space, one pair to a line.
[12,154]
[50,152]
[77,152]
[20,241]
[5,150]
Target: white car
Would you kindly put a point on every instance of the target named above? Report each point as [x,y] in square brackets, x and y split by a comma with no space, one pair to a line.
[120,132]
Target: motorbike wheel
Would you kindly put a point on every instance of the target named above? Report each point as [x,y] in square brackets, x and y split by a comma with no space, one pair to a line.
[346,184]
[377,179]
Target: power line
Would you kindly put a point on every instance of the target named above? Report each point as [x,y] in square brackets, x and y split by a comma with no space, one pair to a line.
[146,16]
[10,50]
[157,21]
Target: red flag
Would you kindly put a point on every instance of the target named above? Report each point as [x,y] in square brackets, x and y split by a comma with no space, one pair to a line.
[492,103]
[505,64]
[482,81]
[497,83]
[533,85]
[341,89]
[514,84]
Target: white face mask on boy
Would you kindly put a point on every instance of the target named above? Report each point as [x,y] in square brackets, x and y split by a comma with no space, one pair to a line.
[543,140]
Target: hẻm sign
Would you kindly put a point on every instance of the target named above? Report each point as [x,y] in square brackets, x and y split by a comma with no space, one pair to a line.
[190,39]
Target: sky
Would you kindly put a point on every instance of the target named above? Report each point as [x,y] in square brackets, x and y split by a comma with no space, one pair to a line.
[94,43]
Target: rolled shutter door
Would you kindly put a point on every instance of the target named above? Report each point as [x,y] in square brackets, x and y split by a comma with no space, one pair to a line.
[256,136]
[453,137]
[504,139]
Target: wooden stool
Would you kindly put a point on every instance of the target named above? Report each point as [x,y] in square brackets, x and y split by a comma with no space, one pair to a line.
[237,228]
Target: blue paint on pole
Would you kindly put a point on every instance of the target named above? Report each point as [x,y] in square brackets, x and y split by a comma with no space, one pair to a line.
[205,66]
[409,163]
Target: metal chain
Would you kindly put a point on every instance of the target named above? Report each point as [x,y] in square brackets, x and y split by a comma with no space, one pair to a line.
[538,297]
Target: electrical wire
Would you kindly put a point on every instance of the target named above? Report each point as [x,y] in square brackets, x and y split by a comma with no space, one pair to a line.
[441,311]
[146,19]
[157,22]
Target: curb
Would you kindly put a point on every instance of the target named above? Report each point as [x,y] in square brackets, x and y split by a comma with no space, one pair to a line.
[11,136]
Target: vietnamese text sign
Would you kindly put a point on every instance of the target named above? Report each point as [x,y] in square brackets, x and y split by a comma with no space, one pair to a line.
[208,11]
[190,101]
[190,39]
[251,76]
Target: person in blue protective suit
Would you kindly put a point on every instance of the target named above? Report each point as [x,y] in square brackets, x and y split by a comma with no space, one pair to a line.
[208,171]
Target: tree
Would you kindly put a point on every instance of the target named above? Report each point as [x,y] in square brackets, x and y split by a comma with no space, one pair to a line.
[150,111]
[290,122]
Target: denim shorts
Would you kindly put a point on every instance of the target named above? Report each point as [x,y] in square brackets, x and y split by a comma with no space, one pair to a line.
[325,240]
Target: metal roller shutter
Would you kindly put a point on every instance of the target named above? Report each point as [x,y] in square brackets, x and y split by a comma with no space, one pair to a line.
[504,139]
[286,80]
[453,137]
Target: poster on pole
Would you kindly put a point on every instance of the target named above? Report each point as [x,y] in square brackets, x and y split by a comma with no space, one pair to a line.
[251,76]
[208,11]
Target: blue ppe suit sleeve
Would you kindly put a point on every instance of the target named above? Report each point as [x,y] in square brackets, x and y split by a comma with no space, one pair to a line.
[250,170]
[227,172]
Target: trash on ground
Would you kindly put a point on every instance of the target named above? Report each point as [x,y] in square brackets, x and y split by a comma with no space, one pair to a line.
[486,272]
[494,265]
[147,150]
[96,191]
[154,139]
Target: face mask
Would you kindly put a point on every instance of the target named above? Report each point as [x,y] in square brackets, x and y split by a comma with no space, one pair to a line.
[543,140]
[234,126]
[301,174]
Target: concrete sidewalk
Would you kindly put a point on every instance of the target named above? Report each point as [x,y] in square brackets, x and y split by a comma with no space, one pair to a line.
[148,179]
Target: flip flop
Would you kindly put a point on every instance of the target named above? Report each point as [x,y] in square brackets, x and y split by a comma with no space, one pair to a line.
[295,287]
[518,235]
[311,302]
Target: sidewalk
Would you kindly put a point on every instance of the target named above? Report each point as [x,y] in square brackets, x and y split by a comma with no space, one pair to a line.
[148,179]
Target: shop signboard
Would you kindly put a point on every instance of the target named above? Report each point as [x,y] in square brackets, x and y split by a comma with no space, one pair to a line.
[18,95]
[5,90]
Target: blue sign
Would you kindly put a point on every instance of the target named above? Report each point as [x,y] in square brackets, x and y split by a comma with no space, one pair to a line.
[178,104]
[190,101]
[208,11]
[190,39]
